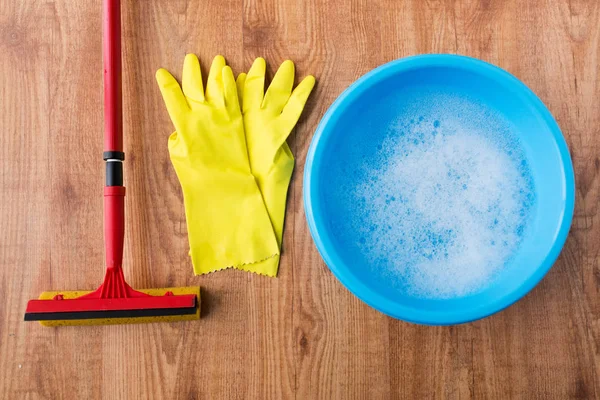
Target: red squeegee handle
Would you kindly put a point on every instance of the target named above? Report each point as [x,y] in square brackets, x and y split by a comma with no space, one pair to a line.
[113,103]
[114,191]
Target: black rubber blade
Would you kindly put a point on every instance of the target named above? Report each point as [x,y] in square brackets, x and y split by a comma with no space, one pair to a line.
[69,316]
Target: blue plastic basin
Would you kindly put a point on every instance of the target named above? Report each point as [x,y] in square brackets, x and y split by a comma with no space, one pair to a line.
[366,103]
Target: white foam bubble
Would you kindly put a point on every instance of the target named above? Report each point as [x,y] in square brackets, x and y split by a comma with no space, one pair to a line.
[445,205]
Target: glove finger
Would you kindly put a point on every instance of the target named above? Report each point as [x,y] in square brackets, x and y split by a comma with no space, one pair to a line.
[240,82]
[171,93]
[192,78]
[255,85]
[280,89]
[214,84]
[293,109]
[230,94]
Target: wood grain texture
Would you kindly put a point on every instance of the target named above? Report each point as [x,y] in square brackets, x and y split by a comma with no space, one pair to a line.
[303,335]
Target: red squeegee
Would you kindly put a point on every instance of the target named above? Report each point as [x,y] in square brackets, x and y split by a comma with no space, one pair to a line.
[114,302]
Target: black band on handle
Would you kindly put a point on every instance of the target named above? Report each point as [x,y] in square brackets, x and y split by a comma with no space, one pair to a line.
[114,173]
[114,155]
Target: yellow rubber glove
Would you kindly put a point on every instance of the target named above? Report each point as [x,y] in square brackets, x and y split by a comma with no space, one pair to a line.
[228,224]
[268,120]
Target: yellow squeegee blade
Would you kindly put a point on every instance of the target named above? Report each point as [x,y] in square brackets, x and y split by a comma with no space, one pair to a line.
[130,320]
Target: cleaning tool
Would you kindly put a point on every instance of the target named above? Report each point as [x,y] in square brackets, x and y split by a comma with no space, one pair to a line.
[268,120]
[114,302]
[228,224]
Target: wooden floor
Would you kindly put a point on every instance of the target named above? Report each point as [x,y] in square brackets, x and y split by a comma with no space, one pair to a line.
[301,335]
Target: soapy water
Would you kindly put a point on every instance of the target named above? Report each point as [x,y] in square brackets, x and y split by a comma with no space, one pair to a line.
[442,203]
